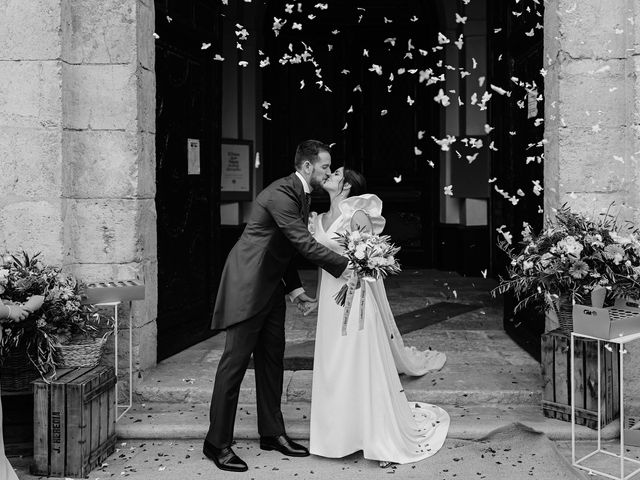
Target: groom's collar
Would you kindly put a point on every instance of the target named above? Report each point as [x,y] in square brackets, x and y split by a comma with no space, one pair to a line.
[305,185]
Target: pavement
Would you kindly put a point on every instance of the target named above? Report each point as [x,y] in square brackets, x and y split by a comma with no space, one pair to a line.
[488,383]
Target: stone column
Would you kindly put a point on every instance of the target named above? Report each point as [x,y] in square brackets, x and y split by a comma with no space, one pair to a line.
[77,105]
[592,118]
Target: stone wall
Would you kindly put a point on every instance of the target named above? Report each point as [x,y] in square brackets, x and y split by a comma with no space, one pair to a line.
[77,143]
[592,118]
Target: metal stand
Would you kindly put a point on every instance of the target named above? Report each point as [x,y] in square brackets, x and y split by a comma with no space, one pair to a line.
[577,463]
[126,407]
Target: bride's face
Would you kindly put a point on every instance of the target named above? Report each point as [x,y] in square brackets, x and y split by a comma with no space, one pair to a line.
[335,181]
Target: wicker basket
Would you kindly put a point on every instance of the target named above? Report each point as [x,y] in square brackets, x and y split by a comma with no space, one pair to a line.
[17,372]
[86,353]
[563,308]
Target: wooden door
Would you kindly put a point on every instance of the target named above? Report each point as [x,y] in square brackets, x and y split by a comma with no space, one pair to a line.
[516,54]
[187,203]
[374,127]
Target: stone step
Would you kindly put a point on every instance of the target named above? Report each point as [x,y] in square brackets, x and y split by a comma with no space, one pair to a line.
[472,422]
[453,385]
[482,367]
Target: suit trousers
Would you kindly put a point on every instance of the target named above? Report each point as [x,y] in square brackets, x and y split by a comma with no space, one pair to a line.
[262,335]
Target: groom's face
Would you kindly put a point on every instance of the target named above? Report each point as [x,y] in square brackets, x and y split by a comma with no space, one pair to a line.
[321,170]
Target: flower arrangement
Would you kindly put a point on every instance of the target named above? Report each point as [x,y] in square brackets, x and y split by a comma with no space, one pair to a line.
[61,318]
[572,257]
[371,257]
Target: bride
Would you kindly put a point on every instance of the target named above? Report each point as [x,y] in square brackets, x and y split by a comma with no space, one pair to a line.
[357,401]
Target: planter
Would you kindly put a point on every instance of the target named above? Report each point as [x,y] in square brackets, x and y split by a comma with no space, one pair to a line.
[17,372]
[563,309]
[85,353]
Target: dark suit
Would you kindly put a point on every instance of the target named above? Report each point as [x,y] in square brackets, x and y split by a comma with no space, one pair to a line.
[251,306]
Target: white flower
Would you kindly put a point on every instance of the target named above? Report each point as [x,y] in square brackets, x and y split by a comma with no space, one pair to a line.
[527,265]
[570,246]
[355,236]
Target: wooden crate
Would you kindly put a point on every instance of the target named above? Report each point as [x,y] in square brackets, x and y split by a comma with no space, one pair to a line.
[556,396]
[74,421]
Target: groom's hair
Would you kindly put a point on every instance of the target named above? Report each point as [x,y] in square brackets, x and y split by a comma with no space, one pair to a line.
[309,150]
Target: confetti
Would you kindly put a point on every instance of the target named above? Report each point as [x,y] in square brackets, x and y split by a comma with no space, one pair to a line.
[442,98]
[448,190]
[460,19]
[218,58]
[397,179]
[205,46]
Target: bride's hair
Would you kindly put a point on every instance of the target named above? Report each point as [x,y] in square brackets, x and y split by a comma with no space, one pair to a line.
[356,180]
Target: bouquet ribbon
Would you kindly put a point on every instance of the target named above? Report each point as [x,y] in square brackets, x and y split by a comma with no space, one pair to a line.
[351,289]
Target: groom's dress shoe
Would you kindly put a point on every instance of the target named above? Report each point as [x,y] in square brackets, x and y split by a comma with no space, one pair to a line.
[224,458]
[284,445]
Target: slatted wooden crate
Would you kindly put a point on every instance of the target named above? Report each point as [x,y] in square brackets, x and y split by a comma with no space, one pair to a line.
[74,421]
[556,397]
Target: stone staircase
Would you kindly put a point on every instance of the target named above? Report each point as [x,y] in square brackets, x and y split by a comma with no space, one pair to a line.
[488,382]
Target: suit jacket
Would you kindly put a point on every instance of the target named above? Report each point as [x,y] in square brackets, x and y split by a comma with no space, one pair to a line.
[262,257]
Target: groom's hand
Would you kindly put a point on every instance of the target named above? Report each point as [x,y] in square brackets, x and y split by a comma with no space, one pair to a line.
[307,307]
[305,303]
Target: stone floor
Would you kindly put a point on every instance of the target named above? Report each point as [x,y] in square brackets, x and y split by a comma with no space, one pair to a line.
[487,383]
[487,377]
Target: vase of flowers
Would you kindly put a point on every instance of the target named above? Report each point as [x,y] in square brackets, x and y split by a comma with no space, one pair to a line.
[572,261]
[61,319]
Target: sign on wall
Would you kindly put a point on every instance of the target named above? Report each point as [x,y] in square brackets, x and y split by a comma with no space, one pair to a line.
[236,172]
[193,156]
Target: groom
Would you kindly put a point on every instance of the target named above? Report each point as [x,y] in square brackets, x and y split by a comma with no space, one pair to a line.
[251,305]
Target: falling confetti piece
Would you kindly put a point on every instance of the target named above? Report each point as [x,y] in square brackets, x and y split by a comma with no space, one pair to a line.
[156,36]
[243,63]
[417,151]
[442,98]
[218,58]
[376,68]
[205,46]
[397,179]
[460,19]
[484,273]
[448,190]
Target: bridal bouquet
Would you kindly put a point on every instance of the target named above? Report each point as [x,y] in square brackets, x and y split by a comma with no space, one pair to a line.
[371,257]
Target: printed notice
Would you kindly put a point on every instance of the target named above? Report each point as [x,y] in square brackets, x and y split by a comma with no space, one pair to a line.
[193,156]
[235,168]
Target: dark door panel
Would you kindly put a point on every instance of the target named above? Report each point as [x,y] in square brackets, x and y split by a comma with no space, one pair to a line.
[516,55]
[188,106]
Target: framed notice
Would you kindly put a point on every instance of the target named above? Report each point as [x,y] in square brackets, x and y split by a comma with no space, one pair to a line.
[236,173]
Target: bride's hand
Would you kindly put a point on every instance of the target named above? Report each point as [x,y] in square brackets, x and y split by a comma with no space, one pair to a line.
[307,307]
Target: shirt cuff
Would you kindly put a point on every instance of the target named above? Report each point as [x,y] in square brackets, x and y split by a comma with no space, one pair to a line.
[296,293]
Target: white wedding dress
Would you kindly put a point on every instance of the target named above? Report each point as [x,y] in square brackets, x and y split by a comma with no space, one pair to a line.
[357,401]
[6,471]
